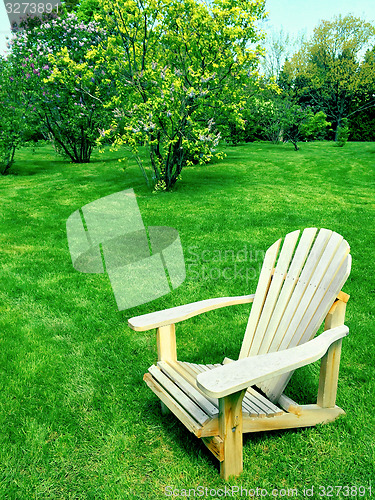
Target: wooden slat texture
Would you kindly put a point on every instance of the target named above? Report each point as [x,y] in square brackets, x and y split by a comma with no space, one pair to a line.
[290,282]
[323,308]
[297,288]
[260,297]
[177,395]
[312,288]
[181,313]
[254,403]
[190,373]
[329,372]
[300,288]
[216,446]
[310,415]
[249,409]
[247,372]
[230,431]
[184,417]
[188,368]
[269,407]
[198,368]
[274,290]
[210,366]
[166,343]
[289,405]
[314,316]
[287,335]
[254,408]
[189,389]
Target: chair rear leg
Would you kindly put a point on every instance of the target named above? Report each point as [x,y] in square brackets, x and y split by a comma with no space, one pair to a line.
[330,363]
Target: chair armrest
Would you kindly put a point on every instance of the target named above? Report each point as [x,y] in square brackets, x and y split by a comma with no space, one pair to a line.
[180,313]
[239,375]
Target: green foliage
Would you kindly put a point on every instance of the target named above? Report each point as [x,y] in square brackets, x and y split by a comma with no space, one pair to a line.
[362,126]
[281,119]
[87,9]
[15,114]
[268,115]
[315,126]
[327,72]
[294,117]
[241,125]
[247,130]
[180,67]
[342,133]
[69,6]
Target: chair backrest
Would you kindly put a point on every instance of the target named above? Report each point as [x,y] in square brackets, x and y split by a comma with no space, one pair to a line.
[294,295]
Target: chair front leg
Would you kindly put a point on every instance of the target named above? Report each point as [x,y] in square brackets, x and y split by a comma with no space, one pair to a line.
[167,351]
[230,429]
[166,343]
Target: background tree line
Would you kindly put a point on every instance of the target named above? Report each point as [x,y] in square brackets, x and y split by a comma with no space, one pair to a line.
[332,72]
[179,77]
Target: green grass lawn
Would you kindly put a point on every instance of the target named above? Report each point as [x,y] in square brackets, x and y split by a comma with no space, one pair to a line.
[76,419]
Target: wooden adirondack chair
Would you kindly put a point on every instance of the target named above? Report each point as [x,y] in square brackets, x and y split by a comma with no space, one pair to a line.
[218,403]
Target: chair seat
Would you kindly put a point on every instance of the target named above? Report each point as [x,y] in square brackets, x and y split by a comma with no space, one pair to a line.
[175,384]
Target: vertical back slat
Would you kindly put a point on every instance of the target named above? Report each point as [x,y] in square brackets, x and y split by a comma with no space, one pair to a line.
[332,289]
[274,290]
[260,297]
[321,269]
[290,282]
[275,387]
[300,288]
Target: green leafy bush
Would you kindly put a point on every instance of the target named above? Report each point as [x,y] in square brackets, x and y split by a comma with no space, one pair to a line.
[342,133]
[14,115]
[315,127]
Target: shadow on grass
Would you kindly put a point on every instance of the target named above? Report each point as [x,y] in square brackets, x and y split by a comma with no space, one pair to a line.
[187,444]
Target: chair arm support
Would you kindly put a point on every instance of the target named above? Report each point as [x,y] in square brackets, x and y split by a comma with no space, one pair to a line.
[239,375]
[180,313]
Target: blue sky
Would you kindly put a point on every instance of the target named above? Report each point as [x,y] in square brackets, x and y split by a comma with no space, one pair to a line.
[294,16]
[297,16]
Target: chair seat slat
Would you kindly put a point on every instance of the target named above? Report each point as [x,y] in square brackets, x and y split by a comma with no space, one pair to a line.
[188,389]
[193,409]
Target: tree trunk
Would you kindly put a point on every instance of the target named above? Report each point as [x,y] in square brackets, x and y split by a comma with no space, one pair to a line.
[10,160]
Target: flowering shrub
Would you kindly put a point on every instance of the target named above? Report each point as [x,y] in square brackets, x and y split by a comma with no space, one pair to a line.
[179,66]
[67,90]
